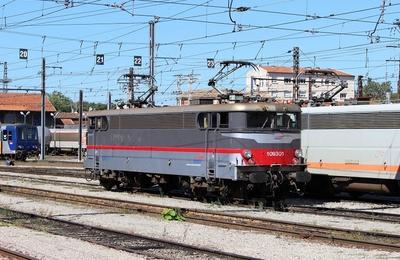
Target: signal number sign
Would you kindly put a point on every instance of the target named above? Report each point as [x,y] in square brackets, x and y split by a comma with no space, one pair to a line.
[137,60]
[99,59]
[23,54]
[210,63]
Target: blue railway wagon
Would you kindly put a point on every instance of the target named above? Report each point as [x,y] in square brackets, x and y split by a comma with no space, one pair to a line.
[18,141]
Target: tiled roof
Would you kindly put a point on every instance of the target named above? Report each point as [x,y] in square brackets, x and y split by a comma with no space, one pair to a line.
[67,121]
[23,102]
[289,70]
[68,115]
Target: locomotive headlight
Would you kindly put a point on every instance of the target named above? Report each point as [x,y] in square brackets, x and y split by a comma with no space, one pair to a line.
[298,153]
[247,154]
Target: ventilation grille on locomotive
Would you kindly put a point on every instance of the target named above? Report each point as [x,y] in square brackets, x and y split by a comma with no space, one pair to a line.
[376,120]
[154,121]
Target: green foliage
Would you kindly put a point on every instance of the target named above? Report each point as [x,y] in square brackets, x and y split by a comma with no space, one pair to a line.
[377,90]
[61,102]
[93,106]
[172,214]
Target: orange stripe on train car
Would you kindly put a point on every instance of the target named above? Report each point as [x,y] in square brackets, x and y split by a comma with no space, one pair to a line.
[353,166]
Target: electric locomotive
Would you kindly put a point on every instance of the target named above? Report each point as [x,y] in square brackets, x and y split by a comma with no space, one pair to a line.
[228,150]
[352,148]
[18,141]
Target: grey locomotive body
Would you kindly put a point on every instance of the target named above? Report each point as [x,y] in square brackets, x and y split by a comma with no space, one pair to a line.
[223,149]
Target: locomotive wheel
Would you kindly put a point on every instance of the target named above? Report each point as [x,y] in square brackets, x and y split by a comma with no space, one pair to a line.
[108,184]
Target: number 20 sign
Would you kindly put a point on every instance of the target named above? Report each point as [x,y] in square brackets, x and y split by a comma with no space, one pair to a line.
[23,54]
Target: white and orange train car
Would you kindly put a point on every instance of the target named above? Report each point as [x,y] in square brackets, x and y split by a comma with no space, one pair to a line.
[353,148]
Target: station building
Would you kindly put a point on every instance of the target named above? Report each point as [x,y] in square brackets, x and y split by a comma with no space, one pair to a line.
[276,82]
[20,107]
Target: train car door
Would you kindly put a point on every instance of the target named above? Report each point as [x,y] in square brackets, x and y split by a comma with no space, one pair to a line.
[211,146]
[92,153]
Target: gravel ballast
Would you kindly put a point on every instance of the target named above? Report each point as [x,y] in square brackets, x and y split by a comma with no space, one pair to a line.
[254,244]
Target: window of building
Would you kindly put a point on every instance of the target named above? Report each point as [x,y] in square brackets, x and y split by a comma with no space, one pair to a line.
[287,80]
[302,81]
[303,93]
[343,95]
[287,94]
[326,82]
[274,80]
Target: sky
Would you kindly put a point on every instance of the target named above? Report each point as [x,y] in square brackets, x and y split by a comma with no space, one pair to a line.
[358,37]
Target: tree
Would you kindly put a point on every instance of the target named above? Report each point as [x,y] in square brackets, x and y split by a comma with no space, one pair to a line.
[61,102]
[377,90]
[93,106]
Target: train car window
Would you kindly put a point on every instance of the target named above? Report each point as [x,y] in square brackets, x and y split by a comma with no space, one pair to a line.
[214,120]
[286,121]
[223,120]
[92,122]
[98,123]
[31,134]
[260,120]
[104,123]
[21,134]
[4,135]
[202,120]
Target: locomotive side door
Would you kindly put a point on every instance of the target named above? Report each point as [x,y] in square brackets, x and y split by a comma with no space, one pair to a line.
[92,154]
[211,146]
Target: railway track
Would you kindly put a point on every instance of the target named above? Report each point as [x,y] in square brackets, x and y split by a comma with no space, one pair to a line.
[51,181]
[345,237]
[349,213]
[128,242]
[9,254]
[46,170]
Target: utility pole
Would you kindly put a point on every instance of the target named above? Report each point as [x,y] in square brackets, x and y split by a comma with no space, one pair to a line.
[5,80]
[190,78]
[151,62]
[131,91]
[398,78]
[43,110]
[296,71]
[109,103]
[359,86]
[80,124]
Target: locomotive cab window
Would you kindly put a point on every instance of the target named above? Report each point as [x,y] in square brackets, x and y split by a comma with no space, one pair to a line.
[269,120]
[286,121]
[92,122]
[202,120]
[101,123]
[9,135]
[223,120]
[213,120]
[260,120]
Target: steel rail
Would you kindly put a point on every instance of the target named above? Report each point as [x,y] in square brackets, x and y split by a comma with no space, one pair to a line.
[6,253]
[120,240]
[39,179]
[348,213]
[346,237]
